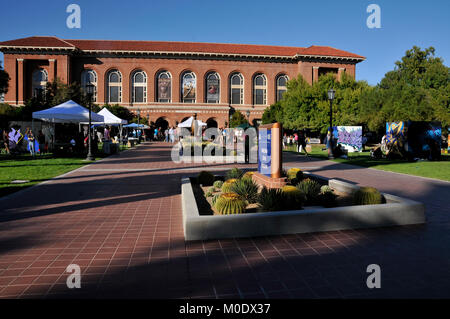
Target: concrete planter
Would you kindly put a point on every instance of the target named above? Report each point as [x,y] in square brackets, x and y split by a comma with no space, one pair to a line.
[397,211]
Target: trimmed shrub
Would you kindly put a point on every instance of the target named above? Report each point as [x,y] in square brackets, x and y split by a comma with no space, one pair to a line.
[230,203]
[226,187]
[294,197]
[367,196]
[234,173]
[272,199]
[205,178]
[247,189]
[311,189]
[218,184]
[294,175]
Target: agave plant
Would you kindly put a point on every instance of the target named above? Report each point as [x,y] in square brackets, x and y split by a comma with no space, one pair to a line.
[248,175]
[272,199]
[234,173]
[247,189]
[230,203]
[311,189]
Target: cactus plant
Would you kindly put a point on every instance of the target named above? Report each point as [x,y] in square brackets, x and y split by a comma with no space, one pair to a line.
[248,175]
[367,196]
[311,189]
[247,189]
[218,184]
[272,199]
[212,190]
[226,187]
[208,194]
[230,203]
[205,178]
[294,197]
[294,175]
[214,199]
[325,189]
[234,173]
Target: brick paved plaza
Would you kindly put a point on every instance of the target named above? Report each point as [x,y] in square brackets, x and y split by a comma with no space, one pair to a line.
[120,220]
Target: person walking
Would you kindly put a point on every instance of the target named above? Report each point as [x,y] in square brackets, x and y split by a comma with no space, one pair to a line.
[302,142]
[166,135]
[30,137]
[6,140]
[172,135]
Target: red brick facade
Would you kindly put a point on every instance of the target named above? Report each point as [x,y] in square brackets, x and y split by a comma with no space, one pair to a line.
[66,60]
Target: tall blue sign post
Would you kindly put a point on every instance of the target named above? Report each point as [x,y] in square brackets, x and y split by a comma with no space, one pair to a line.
[269,150]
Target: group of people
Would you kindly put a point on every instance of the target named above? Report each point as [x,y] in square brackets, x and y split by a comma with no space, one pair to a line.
[13,139]
[298,139]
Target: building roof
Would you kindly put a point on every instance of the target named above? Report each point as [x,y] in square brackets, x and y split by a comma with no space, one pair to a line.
[175,47]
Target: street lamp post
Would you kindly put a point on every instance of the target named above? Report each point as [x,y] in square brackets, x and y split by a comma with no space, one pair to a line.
[331,94]
[248,116]
[90,93]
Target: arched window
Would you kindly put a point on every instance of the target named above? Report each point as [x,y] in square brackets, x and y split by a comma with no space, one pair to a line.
[281,86]
[188,87]
[114,86]
[89,77]
[39,85]
[259,89]
[164,90]
[139,87]
[237,88]
[212,88]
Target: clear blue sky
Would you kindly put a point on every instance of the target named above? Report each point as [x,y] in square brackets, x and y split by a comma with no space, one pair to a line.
[341,24]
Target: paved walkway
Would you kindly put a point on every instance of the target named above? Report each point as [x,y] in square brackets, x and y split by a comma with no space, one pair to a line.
[120,221]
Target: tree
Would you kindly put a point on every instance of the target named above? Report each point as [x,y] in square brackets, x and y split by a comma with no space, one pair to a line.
[4,80]
[418,89]
[237,119]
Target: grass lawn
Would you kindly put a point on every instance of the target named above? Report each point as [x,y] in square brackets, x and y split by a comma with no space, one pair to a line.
[39,169]
[433,169]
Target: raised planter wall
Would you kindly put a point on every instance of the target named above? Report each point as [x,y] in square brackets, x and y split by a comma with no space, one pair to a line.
[397,211]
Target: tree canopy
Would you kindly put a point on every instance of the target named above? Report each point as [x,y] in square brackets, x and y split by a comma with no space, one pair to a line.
[237,119]
[417,89]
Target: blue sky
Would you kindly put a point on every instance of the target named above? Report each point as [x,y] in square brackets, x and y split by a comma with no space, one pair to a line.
[341,24]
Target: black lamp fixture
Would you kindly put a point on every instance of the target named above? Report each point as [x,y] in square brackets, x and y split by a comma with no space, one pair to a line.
[248,115]
[90,93]
[331,95]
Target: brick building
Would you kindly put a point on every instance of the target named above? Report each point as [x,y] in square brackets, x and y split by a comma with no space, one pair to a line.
[169,81]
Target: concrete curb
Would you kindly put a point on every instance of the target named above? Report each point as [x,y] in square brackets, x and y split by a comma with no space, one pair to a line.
[397,211]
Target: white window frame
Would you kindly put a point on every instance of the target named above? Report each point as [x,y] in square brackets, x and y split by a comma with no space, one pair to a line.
[237,86]
[84,83]
[281,87]
[114,84]
[262,87]
[135,84]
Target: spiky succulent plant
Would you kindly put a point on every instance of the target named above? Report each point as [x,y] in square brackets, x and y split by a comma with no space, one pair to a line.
[230,203]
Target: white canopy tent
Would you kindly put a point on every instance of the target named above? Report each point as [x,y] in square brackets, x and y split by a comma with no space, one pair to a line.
[189,121]
[109,119]
[67,112]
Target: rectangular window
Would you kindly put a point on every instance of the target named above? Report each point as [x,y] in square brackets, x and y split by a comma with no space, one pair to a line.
[259,96]
[236,96]
[139,94]
[114,94]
